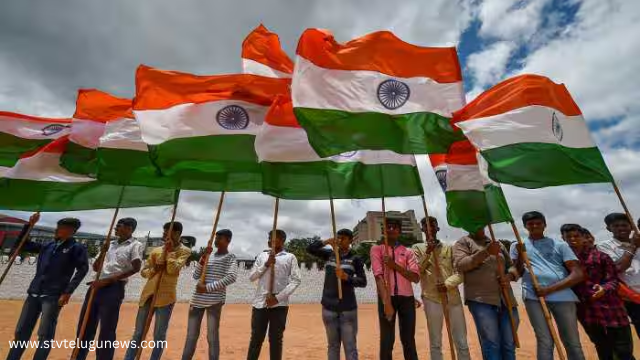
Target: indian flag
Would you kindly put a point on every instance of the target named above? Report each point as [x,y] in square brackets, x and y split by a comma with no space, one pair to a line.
[37,182]
[22,133]
[263,55]
[293,170]
[376,92]
[201,129]
[473,200]
[532,134]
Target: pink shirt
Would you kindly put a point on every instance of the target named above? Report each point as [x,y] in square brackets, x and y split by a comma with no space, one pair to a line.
[403,257]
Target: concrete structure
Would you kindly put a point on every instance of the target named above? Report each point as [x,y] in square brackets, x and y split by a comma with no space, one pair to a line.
[370,228]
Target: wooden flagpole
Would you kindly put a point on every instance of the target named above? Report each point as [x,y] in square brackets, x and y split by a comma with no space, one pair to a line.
[154,298]
[211,239]
[624,206]
[438,274]
[15,254]
[505,293]
[272,269]
[336,249]
[92,290]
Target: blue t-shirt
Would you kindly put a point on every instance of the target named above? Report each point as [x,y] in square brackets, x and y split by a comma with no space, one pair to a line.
[547,257]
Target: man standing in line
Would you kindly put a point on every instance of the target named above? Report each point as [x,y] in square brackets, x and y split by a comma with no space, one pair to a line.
[270,308]
[558,270]
[395,268]
[340,317]
[221,271]
[432,290]
[169,266]
[475,256]
[122,259]
[62,264]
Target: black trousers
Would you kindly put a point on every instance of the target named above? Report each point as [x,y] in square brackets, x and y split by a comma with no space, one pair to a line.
[405,308]
[633,310]
[611,342]
[273,318]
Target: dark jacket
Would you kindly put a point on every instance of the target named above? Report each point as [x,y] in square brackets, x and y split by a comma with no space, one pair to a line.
[59,270]
[352,265]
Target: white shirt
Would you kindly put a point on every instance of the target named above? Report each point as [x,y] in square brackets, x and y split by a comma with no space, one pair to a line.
[287,278]
[120,256]
[631,276]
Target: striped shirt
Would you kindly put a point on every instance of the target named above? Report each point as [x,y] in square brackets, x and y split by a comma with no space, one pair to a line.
[222,271]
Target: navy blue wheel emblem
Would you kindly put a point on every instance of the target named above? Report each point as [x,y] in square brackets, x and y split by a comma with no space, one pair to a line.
[441,175]
[392,94]
[233,117]
[556,127]
[53,129]
[349,154]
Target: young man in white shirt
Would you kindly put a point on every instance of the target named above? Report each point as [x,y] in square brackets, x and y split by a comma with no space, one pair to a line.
[270,308]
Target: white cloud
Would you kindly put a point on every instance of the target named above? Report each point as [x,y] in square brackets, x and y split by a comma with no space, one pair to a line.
[489,65]
[510,20]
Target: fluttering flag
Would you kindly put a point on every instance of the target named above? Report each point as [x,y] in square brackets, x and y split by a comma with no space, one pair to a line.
[376,92]
[37,182]
[473,200]
[262,55]
[201,129]
[532,134]
[23,133]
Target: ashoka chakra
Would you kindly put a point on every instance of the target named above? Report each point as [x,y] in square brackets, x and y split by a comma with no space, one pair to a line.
[392,94]
[233,117]
[441,175]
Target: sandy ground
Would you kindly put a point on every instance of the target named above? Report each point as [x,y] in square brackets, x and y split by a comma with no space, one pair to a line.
[304,337]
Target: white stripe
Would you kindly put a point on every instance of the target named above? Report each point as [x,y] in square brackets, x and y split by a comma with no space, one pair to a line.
[193,120]
[86,132]
[123,134]
[532,124]
[463,178]
[287,144]
[30,129]
[43,166]
[483,166]
[253,67]
[356,91]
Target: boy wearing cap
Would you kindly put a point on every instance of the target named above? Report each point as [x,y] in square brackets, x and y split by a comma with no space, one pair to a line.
[62,264]
[122,259]
[221,271]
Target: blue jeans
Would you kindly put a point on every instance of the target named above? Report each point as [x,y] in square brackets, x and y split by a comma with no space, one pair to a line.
[342,328]
[162,315]
[31,310]
[564,313]
[213,331]
[494,330]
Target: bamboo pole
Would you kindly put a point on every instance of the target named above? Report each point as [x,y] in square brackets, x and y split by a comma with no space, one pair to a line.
[336,249]
[154,298]
[624,206]
[536,285]
[505,293]
[272,269]
[92,290]
[15,254]
[211,239]
[443,296]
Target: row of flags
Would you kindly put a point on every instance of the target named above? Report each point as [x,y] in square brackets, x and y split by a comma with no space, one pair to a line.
[344,122]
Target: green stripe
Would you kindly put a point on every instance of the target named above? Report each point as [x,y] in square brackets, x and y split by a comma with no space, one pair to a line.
[536,165]
[130,167]
[332,132]
[472,210]
[29,195]
[351,180]
[79,159]
[12,147]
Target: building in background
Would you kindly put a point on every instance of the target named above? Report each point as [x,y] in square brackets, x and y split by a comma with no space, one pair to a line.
[370,228]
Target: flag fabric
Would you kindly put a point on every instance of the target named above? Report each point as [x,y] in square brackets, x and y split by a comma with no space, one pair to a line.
[293,170]
[376,92]
[22,133]
[532,134]
[262,55]
[473,200]
[37,182]
[201,129]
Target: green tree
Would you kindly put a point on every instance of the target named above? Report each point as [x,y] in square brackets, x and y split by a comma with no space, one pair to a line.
[195,255]
[298,247]
[92,249]
[362,251]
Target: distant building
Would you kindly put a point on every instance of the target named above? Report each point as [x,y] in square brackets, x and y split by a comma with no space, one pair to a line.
[370,228]
[153,242]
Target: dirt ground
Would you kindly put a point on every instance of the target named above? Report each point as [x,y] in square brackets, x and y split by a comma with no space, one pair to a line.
[304,337]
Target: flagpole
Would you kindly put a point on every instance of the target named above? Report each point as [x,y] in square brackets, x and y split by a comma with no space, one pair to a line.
[92,289]
[272,269]
[624,206]
[505,292]
[543,303]
[443,296]
[211,238]
[15,254]
[335,247]
[154,298]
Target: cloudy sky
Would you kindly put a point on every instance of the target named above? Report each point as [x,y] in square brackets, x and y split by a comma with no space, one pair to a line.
[50,49]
